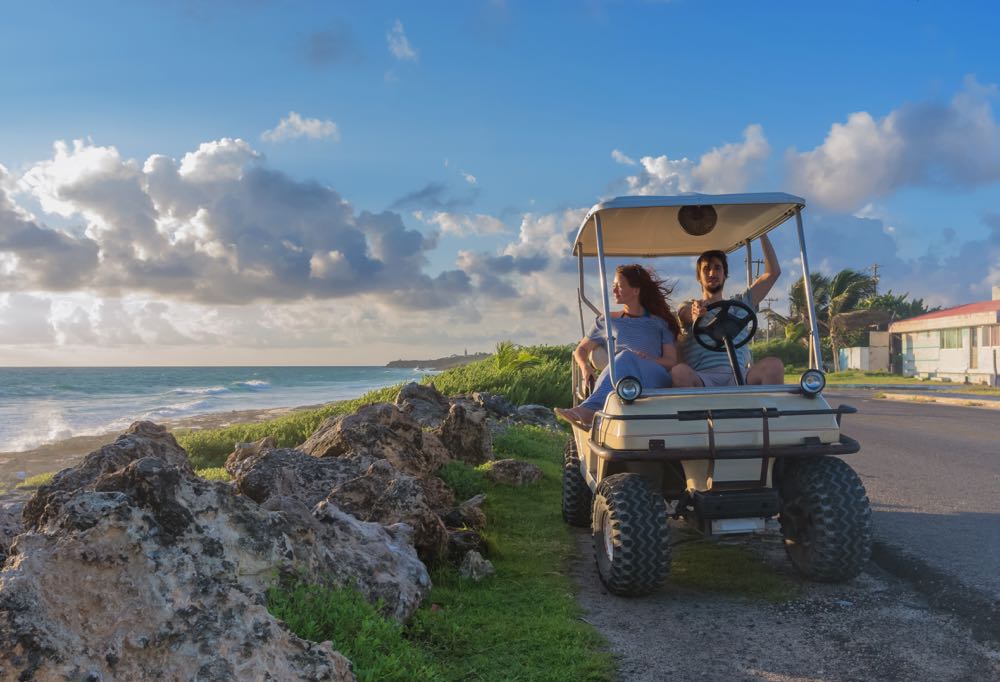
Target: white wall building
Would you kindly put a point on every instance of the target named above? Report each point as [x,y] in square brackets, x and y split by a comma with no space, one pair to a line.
[959,344]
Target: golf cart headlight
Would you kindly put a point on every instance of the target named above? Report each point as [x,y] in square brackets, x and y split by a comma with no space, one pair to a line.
[812,382]
[628,389]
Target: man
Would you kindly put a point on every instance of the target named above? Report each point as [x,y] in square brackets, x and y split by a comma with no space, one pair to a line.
[702,367]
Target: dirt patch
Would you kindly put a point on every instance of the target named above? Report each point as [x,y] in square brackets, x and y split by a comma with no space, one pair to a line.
[873,628]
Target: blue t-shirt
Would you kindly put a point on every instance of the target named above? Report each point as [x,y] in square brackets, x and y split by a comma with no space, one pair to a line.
[699,358]
[646,334]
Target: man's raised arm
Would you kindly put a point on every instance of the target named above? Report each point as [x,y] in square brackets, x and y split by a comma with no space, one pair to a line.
[772,270]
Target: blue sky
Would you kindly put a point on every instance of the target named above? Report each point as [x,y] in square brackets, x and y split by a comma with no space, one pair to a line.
[466,138]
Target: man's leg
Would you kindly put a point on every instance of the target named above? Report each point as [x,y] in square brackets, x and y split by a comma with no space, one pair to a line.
[685,377]
[770,371]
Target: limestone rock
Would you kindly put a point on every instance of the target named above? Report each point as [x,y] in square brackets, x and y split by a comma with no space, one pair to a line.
[246,454]
[461,542]
[10,522]
[466,434]
[144,568]
[537,415]
[469,514]
[424,404]
[381,431]
[284,472]
[388,496]
[513,472]
[474,567]
[141,439]
[152,569]
[496,406]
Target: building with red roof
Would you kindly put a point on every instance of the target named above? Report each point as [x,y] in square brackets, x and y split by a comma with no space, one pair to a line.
[958,344]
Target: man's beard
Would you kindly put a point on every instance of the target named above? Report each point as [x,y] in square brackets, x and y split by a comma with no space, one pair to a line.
[713,288]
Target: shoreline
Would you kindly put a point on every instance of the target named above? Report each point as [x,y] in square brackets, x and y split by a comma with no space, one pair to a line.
[60,454]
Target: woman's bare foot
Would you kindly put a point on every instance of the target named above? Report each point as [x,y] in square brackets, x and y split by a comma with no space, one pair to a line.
[578,416]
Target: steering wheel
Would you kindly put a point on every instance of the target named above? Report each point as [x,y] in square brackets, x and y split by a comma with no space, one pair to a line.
[712,332]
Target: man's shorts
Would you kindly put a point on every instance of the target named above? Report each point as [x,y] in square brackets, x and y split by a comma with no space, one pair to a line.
[717,376]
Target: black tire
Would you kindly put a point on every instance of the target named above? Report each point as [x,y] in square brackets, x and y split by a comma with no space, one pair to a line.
[826,519]
[576,496]
[631,536]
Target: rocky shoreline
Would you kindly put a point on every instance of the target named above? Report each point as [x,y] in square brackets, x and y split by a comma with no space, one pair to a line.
[16,466]
[128,564]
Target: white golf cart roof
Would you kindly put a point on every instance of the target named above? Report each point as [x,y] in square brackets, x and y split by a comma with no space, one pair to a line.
[648,226]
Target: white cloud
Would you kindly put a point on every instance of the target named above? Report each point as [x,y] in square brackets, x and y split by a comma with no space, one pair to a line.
[399,44]
[462,224]
[216,227]
[728,168]
[955,144]
[621,158]
[469,177]
[294,126]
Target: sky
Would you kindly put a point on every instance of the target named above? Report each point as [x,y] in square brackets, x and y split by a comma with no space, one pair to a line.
[264,182]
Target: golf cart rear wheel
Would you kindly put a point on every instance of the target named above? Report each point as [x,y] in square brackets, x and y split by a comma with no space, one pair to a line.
[631,536]
[825,519]
[576,495]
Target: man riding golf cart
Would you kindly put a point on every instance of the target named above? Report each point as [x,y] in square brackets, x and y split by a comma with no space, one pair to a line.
[723,458]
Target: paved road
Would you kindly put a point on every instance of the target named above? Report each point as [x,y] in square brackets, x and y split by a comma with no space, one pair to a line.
[933,476]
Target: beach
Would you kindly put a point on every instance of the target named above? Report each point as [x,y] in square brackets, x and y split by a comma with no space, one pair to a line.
[16,466]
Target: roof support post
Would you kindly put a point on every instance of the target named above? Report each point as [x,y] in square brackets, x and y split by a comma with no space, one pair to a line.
[609,337]
[816,361]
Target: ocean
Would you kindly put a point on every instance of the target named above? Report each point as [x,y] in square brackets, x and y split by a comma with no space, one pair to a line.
[41,405]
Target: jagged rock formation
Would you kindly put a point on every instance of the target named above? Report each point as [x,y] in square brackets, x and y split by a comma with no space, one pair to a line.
[129,566]
[146,568]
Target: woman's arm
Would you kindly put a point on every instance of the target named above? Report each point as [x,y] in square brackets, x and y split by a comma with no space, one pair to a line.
[582,356]
[668,357]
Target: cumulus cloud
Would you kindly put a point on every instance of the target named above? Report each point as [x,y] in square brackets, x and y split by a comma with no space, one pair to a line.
[215,227]
[399,44]
[954,144]
[728,168]
[294,126]
[469,177]
[462,224]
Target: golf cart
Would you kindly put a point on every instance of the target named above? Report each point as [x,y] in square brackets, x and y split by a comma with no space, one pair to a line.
[723,459]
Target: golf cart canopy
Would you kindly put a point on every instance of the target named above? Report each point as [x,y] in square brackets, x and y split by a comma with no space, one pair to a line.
[685,225]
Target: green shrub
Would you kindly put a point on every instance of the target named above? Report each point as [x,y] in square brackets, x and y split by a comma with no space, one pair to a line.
[792,353]
[36,481]
[375,644]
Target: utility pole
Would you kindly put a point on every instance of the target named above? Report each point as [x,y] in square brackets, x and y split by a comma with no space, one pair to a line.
[769,301]
[757,262]
[874,268]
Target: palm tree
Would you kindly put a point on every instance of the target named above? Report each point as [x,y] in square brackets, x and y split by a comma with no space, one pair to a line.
[833,297]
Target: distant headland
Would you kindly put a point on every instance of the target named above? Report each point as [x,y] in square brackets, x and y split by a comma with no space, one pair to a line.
[440,363]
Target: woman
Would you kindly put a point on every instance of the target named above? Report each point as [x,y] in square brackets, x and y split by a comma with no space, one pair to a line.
[645,331]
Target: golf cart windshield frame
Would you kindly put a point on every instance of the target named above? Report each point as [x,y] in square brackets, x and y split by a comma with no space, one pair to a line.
[635,213]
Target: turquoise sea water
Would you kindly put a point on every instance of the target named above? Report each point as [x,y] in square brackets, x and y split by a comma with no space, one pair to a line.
[45,404]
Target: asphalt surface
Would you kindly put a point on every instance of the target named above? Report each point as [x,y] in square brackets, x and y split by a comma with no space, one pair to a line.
[933,477]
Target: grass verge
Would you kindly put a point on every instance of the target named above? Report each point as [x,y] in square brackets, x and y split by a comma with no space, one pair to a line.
[523,624]
[37,481]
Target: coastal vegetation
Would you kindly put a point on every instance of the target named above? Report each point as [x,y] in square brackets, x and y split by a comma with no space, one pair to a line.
[531,374]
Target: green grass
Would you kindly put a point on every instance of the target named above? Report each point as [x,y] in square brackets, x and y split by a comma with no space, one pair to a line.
[214,474]
[710,566]
[376,645]
[853,376]
[523,624]
[36,481]
[464,480]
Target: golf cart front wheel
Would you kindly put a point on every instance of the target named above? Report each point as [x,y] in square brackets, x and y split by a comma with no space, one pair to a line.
[631,536]
[825,519]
